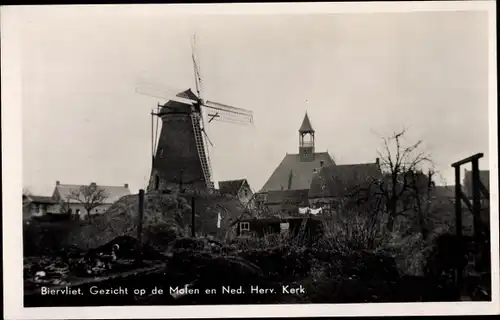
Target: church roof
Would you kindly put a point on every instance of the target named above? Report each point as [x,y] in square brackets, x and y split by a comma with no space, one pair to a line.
[306,125]
[334,181]
[295,173]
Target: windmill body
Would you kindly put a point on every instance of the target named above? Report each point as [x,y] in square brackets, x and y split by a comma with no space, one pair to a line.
[177,162]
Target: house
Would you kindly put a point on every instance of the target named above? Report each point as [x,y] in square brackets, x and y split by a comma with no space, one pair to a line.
[275,225]
[351,182]
[62,195]
[38,206]
[296,171]
[238,188]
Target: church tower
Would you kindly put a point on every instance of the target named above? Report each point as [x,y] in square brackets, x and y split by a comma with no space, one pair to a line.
[306,140]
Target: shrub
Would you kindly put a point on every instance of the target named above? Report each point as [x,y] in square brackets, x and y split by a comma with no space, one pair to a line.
[353,230]
[46,237]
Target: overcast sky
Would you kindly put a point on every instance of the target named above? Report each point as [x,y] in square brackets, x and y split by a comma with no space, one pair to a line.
[358,76]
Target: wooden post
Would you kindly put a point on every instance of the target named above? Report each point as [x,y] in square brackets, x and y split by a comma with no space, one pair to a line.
[458,223]
[152,141]
[139,222]
[476,200]
[193,213]
[458,203]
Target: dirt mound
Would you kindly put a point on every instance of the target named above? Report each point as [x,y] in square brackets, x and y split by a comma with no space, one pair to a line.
[166,217]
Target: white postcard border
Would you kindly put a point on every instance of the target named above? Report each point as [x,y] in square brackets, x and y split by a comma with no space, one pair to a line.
[12,179]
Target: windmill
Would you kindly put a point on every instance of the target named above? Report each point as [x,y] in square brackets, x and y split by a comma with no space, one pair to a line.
[181,154]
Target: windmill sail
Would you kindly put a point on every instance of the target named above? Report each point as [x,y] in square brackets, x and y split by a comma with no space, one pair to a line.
[225,113]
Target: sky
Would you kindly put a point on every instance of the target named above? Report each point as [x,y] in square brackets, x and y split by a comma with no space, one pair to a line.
[359,76]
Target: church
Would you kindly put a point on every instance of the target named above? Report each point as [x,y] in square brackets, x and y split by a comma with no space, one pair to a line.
[311,179]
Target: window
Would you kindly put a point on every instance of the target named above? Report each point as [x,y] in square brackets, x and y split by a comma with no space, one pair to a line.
[244,226]
[245,193]
[305,153]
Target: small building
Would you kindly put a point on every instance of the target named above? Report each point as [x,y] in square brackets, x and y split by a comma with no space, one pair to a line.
[238,188]
[261,227]
[38,206]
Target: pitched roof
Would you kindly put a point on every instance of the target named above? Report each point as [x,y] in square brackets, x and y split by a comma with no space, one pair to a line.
[114,193]
[231,186]
[301,172]
[334,181]
[484,177]
[306,125]
[41,199]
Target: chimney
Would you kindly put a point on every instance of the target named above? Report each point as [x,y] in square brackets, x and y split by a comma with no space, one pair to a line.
[58,183]
[321,163]
[377,161]
[126,185]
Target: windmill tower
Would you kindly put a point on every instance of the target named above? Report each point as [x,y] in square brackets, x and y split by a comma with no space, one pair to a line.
[181,153]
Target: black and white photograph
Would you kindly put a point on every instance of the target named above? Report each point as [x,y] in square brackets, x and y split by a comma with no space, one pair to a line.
[329,159]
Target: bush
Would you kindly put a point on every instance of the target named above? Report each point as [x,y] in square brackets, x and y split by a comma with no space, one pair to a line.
[353,230]
[47,237]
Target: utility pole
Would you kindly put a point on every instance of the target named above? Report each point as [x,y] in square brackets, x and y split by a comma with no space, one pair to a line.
[193,214]
[139,223]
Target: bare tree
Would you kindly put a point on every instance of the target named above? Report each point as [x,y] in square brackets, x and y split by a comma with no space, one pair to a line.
[64,207]
[90,197]
[398,164]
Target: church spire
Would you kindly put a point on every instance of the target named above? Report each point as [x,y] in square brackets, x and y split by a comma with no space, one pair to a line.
[306,140]
[306,126]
